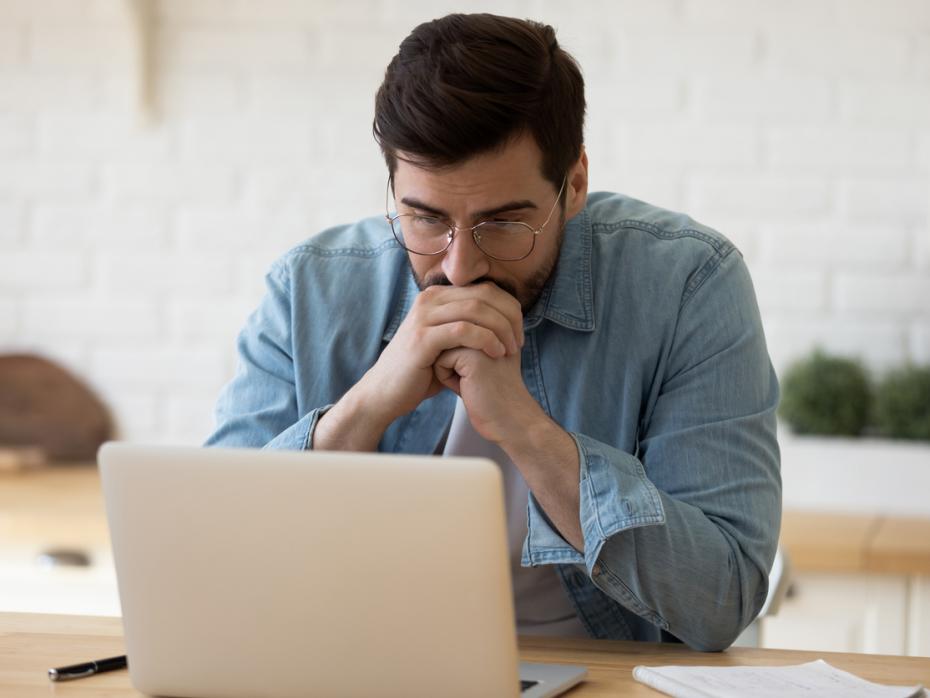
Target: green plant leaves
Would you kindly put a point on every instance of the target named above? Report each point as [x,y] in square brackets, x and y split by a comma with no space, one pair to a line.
[826,395]
[832,395]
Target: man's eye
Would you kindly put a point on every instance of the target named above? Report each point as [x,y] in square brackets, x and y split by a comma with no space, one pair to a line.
[425,220]
[501,227]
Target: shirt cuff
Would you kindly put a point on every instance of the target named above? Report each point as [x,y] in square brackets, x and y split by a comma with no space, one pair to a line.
[299,436]
[615,496]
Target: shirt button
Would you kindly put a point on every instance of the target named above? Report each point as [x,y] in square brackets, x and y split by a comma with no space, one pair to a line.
[596,570]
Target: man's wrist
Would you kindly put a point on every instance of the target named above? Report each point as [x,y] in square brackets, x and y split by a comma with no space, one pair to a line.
[367,404]
[547,457]
[533,433]
[354,423]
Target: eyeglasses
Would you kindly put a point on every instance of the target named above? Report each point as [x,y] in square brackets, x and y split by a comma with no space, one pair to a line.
[507,241]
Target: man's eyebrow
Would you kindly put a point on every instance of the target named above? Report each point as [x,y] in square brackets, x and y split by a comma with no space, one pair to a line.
[504,208]
[417,204]
[481,215]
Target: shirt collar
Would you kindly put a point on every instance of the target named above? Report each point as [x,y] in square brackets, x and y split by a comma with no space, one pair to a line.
[567,299]
[404,303]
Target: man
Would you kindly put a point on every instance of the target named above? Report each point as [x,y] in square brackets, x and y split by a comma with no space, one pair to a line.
[608,354]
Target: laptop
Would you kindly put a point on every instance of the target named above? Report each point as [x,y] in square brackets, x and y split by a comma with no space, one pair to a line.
[269,573]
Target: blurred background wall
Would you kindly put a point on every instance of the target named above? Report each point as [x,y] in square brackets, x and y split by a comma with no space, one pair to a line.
[135,231]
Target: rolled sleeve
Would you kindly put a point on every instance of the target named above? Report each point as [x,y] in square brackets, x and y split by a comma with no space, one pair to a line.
[614,495]
[299,436]
[683,533]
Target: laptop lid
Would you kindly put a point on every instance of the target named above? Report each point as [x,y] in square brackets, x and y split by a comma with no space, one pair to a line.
[250,573]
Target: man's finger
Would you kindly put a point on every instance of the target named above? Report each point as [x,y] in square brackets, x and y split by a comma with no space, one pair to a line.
[462,334]
[488,292]
[477,312]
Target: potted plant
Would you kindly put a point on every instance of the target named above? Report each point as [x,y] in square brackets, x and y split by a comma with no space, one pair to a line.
[854,443]
[902,404]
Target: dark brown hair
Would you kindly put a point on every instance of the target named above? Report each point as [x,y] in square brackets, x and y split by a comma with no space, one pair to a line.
[464,84]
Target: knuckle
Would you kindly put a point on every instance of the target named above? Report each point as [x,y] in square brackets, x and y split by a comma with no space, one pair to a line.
[459,329]
[428,294]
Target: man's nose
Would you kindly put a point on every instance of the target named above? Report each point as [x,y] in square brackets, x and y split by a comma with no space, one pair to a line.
[464,262]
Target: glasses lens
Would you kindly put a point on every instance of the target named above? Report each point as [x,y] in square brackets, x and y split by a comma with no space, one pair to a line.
[505,240]
[421,234]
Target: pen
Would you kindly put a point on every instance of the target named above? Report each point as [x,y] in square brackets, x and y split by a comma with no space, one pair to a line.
[79,671]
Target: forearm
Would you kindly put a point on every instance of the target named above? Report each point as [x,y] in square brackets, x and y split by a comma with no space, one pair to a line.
[352,424]
[643,567]
[547,457]
[688,548]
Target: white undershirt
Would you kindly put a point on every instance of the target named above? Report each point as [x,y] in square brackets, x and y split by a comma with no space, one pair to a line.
[540,602]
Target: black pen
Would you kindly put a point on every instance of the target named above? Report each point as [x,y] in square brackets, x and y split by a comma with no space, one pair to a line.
[79,671]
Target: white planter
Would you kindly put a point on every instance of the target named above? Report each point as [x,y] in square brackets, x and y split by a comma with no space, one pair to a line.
[862,476]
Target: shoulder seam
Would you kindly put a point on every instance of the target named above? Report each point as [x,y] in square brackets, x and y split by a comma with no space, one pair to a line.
[722,248]
[704,273]
[719,244]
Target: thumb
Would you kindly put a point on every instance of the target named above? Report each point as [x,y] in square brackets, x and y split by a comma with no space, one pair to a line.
[446,368]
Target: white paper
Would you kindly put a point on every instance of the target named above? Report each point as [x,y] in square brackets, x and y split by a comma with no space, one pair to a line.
[807,680]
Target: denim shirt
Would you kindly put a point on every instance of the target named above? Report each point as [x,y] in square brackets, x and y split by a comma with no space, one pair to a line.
[645,345]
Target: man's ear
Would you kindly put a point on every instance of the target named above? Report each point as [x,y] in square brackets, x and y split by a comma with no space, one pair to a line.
[577,186]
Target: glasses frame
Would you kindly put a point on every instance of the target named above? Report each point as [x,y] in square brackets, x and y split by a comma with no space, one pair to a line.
[453,229]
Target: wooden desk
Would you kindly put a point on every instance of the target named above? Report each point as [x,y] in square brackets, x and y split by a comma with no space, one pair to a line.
[31,643]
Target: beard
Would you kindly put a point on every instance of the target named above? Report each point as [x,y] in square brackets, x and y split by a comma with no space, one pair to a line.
[528,293]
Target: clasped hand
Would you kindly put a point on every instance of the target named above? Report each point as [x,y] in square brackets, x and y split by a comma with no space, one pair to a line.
[467,339]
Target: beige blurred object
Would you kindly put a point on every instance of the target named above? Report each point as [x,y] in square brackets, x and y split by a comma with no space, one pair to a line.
[860,583]
[17,459]
[139,16]
[47,413]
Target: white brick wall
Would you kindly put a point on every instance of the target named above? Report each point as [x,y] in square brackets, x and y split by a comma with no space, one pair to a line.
[97,321]
[32,271]
[11,226]
[100,225]
[134,250]
[920,342]
[905,295]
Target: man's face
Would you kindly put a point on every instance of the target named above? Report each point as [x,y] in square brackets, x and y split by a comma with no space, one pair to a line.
[508,181]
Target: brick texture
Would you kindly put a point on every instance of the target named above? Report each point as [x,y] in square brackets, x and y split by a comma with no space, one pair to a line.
[132,249]
[11,225]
